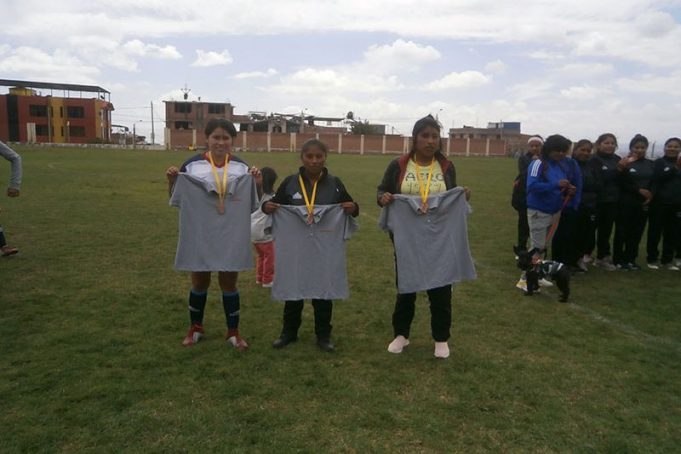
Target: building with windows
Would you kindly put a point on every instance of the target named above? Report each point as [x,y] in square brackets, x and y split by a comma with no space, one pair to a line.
[187,119]
[508,132]
[34,112]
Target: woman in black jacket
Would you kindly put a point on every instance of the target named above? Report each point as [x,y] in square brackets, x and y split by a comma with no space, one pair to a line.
[587,213]
[665,210]
[635,177]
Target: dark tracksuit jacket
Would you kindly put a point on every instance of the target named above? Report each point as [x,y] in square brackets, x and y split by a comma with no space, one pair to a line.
[632,214]
[607,199]
[586,222]
[665,211]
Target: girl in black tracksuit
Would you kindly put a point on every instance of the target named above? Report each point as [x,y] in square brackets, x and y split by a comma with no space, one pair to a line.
[586,219]
[519,195]
[665,211]
[636,174]
[606,160]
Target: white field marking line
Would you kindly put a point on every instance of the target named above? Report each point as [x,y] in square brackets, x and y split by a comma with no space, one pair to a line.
[627,328]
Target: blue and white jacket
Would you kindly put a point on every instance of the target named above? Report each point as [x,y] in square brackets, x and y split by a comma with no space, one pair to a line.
[543,192]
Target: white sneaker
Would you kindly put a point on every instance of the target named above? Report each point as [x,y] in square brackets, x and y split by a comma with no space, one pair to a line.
[441,350]
[581,264]
[605,264]
[522,285]
[545,283]
[587,258]
[398,344]
[654,266]
[678,263]
[672,267]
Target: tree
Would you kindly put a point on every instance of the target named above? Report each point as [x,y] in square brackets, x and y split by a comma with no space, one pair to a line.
[363,127]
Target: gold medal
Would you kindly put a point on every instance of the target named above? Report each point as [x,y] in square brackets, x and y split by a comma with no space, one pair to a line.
[424,191]
[221,187]
[309,201]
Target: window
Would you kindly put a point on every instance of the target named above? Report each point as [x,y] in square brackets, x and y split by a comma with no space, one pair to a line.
[183,125]
[216,108]
[61,113]
[183,107]
[41,130]
[75,112]
[62,131]
[77,131]
[37,111]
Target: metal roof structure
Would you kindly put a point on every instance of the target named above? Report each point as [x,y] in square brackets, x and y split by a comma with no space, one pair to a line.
[53,86]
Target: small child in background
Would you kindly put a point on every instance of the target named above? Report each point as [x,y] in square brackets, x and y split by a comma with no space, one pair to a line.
[262,240]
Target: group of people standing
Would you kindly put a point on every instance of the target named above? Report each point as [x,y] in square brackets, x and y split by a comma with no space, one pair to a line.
[575,202]
[309,217]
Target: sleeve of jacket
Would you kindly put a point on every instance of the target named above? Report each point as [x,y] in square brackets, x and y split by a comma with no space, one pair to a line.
[344,196]
[535,179]
[578,182]
[15,160]
[389,182]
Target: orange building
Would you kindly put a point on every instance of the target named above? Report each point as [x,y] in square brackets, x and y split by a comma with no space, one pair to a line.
[27,115]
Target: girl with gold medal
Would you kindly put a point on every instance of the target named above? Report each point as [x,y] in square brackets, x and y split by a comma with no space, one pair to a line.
[312,185]
[424,171]
[217,166]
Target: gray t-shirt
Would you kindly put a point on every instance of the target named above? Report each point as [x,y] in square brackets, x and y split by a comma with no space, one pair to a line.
[309,260]
[431,249]
[209,241]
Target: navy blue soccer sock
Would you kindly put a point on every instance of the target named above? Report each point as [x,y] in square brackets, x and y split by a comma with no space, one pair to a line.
[232,306]
[197,304]
[3,242]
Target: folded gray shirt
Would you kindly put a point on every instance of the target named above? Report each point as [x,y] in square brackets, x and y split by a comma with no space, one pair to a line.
[209,241]
[431,249]
[309,260]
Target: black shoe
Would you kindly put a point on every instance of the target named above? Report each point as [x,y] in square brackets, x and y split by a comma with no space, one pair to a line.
[283,340]
[325,345]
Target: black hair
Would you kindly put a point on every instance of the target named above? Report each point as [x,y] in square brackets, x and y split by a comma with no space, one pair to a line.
[314,143]
[269,176]
[672,139]
[555,142]
[582,142]
[215,123]
[602,137]
[638,138]
[420,125]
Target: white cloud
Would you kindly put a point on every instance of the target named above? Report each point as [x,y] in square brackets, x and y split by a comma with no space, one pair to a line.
[138,48]
[584,92]
[324,81]
[400,55]
[496,67]
[545,55]
[31,63]
[465,79]
[205,58]
[256,74]
[585,70]
[652,83]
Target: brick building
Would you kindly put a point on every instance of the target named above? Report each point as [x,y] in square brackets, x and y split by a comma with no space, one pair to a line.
[186,120]
[507,132]
[81,115]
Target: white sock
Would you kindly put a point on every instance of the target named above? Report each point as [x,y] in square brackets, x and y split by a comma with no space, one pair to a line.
[441,350]
[398,344]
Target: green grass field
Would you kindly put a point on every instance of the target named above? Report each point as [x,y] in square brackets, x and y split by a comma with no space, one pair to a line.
[92,315]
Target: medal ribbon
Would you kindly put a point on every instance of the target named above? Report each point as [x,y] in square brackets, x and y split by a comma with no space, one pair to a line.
[424,191]
[309,202]
[222,188]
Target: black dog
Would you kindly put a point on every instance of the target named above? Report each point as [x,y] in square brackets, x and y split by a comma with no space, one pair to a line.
[536,269]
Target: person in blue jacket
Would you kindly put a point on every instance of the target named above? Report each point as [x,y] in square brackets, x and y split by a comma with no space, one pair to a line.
[553,183]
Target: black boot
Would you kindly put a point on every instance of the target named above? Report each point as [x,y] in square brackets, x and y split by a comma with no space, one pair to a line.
[323,309]
[293,311]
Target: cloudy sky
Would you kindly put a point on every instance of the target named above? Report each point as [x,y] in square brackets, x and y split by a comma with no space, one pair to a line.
[577,67]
